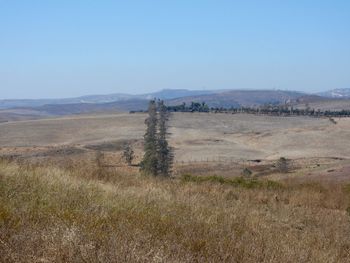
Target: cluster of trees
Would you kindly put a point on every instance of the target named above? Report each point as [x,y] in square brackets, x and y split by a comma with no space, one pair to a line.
[158,156]
[193,107]
[290,111]
[269,109]
[286,110]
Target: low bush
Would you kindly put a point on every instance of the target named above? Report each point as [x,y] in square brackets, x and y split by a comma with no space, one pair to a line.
[236,182]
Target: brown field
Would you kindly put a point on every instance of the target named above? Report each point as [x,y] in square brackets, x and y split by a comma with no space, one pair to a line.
[218,142]
[195,136]
[58,204]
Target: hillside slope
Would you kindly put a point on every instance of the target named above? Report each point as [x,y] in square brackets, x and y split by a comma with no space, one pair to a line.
[237,98]
[100,99]
[227,99]
[336,93]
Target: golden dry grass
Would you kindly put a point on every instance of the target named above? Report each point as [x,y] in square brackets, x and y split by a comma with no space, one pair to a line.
[195,136]
[84,214]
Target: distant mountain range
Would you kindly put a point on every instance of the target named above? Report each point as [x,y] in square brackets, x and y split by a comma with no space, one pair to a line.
[239,98]
[39,108]
[165,94]
[336,93]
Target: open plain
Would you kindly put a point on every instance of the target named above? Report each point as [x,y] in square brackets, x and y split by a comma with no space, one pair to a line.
[222,141]
[66,194]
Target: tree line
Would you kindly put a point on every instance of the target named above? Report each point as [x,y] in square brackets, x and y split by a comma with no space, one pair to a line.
[268,109]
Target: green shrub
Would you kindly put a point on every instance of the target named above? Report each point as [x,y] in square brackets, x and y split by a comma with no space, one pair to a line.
[247,173]
[236,182]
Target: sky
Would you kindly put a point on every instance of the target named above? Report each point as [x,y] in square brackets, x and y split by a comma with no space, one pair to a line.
[65,48]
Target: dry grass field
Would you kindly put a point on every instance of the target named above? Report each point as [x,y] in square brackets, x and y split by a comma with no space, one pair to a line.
[218,142]
[83,214]
[58,204]
[195,136]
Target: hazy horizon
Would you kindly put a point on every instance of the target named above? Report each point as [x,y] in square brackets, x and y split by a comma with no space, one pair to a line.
[152,91]
[63,49]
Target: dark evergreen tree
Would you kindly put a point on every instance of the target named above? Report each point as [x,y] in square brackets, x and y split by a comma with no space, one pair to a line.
[149,164]
[165,155]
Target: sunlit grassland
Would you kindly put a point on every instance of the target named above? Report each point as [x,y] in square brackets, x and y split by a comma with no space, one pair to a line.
[85,214]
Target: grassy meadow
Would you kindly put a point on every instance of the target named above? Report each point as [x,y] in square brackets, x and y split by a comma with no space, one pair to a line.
[84,213]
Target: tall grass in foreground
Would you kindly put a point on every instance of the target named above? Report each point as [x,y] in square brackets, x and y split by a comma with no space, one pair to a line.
[49,214]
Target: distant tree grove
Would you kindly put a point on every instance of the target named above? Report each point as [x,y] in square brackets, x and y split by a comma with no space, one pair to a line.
[193,107]
[267,109]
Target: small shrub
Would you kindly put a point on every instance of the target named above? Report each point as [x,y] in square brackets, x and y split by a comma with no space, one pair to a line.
[282,165]
[332,120]
[128,154]
[247,173]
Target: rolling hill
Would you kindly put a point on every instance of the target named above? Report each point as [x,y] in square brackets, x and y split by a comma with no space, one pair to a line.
[124,102]
[336,93]
[164,94]
[238,98]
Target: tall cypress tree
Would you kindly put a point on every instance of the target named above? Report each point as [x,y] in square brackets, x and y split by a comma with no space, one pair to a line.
[165,154]
[149,164]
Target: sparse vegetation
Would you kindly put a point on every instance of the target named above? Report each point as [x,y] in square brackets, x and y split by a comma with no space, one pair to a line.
[247,173]
[332,120]
[227,163]
[282,165]
[63,204]
[128,153]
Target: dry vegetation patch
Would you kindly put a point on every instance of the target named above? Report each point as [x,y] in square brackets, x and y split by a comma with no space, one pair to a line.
[83,214]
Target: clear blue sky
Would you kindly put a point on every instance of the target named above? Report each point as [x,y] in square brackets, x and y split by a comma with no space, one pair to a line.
[68,48]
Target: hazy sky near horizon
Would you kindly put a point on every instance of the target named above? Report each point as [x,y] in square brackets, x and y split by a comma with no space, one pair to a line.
[68,48]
